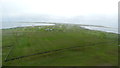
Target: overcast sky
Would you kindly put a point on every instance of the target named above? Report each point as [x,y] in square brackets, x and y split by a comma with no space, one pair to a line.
[96,12]
[66,8]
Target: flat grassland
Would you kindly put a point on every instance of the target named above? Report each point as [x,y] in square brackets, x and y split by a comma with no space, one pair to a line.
[58,45]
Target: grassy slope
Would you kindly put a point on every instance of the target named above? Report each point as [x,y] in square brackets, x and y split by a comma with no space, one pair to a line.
[32,40]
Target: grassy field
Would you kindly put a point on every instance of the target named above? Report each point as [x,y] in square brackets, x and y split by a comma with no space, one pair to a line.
[79,46]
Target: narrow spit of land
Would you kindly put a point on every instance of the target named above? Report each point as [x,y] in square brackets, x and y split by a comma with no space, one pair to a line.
[81,46]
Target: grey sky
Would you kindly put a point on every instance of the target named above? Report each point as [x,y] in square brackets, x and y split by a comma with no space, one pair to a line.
[59,7]
[74,11]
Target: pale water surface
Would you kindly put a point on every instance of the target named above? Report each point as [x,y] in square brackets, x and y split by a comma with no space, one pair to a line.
[113,28]
[105,29]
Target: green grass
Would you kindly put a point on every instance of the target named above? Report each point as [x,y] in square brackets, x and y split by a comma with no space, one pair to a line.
[97,48]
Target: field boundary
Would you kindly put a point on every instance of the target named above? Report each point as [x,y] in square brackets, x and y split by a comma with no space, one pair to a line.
[19,57]
[9,52]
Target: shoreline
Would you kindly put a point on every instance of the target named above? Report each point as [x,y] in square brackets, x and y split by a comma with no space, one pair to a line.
[90,27]
[103,29]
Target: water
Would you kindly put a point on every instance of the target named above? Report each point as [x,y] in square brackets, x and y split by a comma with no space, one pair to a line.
[108,27]
[18,24]
[105,29]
